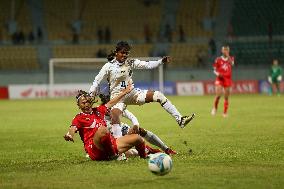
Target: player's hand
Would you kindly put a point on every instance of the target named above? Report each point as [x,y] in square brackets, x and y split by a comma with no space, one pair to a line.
[68,137]
[166,59]
[218,74]
[232,60]
[129,87]
[133,130]
[269,79]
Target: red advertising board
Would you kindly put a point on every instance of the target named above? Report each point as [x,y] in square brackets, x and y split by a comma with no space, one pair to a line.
[43,91]
[4,92]
[239,87]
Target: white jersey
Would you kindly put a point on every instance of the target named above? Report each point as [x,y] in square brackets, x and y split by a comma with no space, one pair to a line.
[120,74]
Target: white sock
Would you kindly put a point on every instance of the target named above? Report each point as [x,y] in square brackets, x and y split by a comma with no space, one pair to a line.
[171,109]
[132,152]
[116,130]
[155,140]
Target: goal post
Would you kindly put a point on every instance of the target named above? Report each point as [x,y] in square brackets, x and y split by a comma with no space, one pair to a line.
[91,63]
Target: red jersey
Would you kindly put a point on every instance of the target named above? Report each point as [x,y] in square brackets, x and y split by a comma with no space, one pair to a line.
[224,66]
[88,124]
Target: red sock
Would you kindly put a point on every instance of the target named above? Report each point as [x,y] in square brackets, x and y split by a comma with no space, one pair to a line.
[216,102]
[141,149]
[226,105]
[106,141]
[152,150]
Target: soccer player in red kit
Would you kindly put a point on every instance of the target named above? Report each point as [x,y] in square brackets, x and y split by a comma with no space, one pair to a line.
[223,71]
[90,123]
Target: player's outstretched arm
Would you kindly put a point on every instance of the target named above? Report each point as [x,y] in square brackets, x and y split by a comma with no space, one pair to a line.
[139,64]
[115,100]
[69,136]
[217,73]
[98,79]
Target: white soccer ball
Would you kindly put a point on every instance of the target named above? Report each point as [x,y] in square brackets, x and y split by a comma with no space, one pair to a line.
[160,163]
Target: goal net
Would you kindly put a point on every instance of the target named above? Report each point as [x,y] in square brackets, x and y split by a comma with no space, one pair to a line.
[74,71]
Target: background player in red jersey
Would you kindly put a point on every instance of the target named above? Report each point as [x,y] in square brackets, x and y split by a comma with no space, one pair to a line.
[223,71]
[90,123]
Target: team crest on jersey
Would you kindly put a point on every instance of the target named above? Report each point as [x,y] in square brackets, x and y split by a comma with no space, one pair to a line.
[130,62]
[96,125]
[98,113]
[93,124]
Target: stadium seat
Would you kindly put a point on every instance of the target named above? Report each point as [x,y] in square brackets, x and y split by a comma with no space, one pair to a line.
[188,55]
[22,17]
[18,58]
[124,19]
[90,51]
[251,18]
[191,15]
[257,53]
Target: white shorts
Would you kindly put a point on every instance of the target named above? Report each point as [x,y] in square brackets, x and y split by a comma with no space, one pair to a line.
[135,97]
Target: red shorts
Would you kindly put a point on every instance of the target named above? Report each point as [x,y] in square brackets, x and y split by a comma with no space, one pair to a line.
[97,154]
[224,82]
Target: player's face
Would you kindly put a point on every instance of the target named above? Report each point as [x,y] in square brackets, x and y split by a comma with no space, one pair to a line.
[225,51]
[275,62]
[85,104]
[122,55]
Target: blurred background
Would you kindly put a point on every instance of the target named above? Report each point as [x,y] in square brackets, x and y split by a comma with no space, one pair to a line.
[190,31]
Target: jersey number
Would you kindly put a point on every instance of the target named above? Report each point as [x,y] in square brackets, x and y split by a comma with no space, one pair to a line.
[123,84]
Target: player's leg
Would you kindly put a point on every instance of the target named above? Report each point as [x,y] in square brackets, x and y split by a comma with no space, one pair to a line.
[270,89]
[104,141]
[277,87]
[157,96]
[226,100]
[155,140]
[218,92]
[116,111]
[126,142]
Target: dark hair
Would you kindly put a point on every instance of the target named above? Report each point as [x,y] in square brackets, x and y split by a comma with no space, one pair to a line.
[119,46]
[85,94]
[104,98]
[226,46]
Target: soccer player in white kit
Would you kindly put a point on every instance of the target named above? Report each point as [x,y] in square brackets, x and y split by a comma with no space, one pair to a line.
[118,72]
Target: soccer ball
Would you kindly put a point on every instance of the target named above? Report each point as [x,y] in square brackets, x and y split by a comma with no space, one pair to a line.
[160,164]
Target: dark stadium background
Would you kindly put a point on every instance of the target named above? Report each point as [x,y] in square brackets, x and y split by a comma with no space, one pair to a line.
[190,31]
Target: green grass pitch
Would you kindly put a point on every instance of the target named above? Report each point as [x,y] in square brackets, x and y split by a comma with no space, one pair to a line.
[245,150]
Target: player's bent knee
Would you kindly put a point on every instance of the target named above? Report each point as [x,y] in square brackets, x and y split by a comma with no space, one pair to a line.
[159,97]
[149,96]
[135,139]
[115,113]
[142,132]
[138,139]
